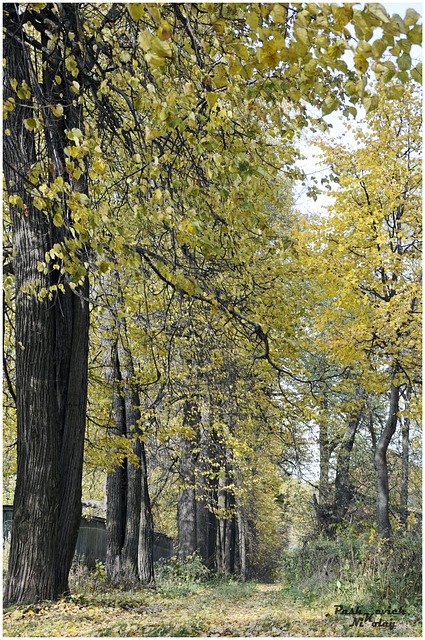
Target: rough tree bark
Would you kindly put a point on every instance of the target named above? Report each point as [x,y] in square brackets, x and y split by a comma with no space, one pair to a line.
[51,342]
[146,531]
[242,543]
[323,504]
[115,482]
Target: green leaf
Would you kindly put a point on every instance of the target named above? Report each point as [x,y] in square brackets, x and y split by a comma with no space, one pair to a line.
[378,48]
[330,104]
[16,200]
[301,35]
[57,220]
[74,134]
[160,48]
[416,73]
[394,92]
[360,62]
[389,72]
[411,18]
[415,35]
[394,27]
[403,76]
[57,110]
[279,13]
[136,10]
[30,124]
[378,10]
[38,203]
[370,103]
[404,62]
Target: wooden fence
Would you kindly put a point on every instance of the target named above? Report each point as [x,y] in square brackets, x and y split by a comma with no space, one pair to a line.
[91,542]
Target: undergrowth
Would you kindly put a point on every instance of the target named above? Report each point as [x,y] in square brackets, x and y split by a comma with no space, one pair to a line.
[365,571]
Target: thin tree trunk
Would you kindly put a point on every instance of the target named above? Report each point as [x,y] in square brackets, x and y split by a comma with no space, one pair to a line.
[380,459]
[404,488]
[129,517]
[146,531]
[242,544]
[129,556]
[229,542]
[221,526]
[186,511]
[202,518]
[116,484]
[323,504]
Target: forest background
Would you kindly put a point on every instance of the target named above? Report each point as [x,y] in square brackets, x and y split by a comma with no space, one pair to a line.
[240,373]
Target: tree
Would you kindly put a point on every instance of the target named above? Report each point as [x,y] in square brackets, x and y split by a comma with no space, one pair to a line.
[129,518]
[52,319]
[368,263]
[99,81]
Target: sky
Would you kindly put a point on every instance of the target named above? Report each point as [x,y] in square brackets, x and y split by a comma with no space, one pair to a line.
[311,164]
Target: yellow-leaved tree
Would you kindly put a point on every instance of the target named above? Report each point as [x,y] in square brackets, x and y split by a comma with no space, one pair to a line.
[364,262]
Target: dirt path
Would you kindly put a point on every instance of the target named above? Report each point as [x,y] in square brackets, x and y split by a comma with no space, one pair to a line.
[234,610]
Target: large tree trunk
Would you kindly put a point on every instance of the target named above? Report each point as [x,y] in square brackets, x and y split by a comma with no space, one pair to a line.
[380,459]
[205,494]
[51,362]
[186,506]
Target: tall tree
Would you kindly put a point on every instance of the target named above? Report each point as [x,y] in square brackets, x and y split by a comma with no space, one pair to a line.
[52,317]
[368,264]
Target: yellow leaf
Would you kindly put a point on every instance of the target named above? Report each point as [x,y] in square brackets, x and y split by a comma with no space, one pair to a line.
[57,220]
[360,62]
[278,13]
[57,110]
[136,10]
[212,99]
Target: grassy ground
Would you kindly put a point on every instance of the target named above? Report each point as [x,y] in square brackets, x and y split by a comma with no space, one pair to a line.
[196,609]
